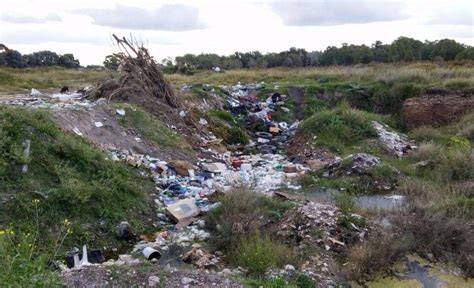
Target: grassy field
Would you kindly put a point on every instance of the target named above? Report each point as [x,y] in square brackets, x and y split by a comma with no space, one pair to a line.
[447,75]
[442,74]
[18,80]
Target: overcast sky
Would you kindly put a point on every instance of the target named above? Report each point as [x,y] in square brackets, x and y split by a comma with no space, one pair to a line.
[171,28]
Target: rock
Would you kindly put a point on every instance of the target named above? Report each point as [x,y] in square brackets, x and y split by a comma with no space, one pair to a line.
[124,232]
[153,281]
[436,107]
[187,281]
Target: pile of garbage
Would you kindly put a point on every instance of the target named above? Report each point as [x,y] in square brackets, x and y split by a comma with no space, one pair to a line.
[396,143]
[71,100]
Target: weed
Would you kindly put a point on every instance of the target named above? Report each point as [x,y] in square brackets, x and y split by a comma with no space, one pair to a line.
[241,212]
[150,127]
[259,252]
[344,202]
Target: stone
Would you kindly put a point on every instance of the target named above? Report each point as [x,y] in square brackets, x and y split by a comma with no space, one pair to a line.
[187,281]
[153,281]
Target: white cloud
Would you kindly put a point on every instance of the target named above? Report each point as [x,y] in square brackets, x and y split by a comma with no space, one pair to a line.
[453,15]
[169,17]
[328,13]
[29,19]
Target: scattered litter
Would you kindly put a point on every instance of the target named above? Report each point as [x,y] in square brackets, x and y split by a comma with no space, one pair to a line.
[398,144]
[203,121]
[120,112]
[151,253]
[182,209]
[34,92]
[98,124]
[182,114]
[77,131]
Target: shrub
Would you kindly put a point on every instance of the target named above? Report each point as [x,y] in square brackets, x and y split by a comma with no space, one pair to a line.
[259,252]
[375,255]
[344,202]
[22,266]
[241,212]
[339,128]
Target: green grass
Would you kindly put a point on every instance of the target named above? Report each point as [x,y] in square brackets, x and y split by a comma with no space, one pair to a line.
[226,127]
[150,128]
[66,178]
[17,80]
[341,128]
[257,253]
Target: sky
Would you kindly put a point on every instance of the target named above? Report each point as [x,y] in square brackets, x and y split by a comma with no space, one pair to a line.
[173,28]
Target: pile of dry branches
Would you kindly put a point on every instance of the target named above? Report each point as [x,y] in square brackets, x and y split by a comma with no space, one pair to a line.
[141,74]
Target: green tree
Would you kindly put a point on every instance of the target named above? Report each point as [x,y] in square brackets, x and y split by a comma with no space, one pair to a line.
[467,54]
[111,62]
[406,49]
[447,49]
[14,59]
[68,61]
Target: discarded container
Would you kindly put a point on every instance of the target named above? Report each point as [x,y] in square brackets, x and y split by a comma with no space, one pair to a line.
[151,253]
[93,256]
[98,124]
[120,112]
[182,209]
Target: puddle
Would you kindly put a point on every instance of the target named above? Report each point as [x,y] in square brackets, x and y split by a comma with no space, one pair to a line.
[387,202]
[417,272]
[421,273]
[380,201]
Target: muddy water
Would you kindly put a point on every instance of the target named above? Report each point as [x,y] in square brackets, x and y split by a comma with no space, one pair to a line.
[386,202]
[416,272]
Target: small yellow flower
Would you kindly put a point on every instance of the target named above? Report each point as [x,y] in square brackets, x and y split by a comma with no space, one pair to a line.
[36,201]
[66,222]
[69,231]
[2,232]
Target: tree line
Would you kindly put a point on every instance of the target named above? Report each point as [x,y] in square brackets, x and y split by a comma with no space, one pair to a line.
[14,59]
[403,49]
